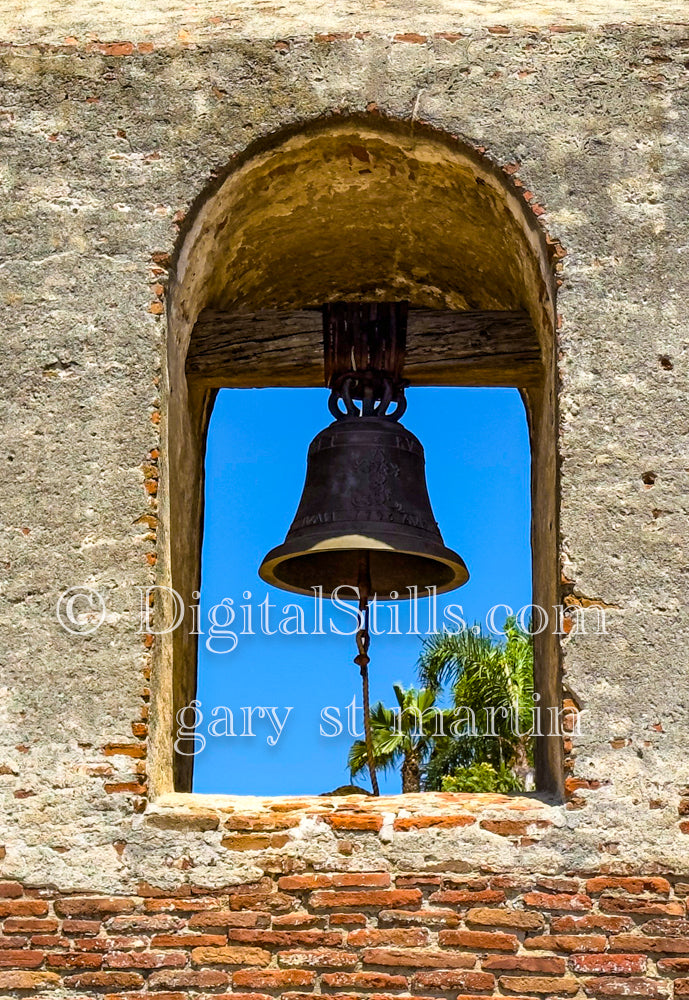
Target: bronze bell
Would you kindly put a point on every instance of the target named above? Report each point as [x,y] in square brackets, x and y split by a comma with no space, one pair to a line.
[364,520]
[365,492]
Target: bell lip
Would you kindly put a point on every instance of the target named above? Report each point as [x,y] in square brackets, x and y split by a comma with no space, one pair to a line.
[286,551]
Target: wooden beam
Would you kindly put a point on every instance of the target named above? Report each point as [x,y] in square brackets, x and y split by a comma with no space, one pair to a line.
[472,348]
[285,348]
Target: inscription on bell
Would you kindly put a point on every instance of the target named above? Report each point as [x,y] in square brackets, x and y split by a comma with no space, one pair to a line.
[371,515]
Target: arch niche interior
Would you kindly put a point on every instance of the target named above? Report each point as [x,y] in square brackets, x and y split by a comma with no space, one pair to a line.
[359,209]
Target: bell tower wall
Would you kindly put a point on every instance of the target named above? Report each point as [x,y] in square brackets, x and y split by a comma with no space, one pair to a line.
[173,167]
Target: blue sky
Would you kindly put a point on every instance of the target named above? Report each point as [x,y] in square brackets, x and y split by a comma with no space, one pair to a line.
[477,465]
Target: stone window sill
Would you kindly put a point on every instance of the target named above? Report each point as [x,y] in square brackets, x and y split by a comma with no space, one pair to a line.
[522,819]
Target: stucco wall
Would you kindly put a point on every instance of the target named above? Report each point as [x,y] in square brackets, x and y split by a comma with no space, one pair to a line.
[109,136]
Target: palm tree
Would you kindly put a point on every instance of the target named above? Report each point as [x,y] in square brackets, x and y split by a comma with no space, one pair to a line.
[404,735]
[491,682]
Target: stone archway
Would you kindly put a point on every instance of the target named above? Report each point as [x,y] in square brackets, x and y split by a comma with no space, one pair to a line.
[356,208]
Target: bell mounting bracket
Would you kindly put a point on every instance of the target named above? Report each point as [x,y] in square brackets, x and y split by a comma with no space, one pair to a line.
[364,346]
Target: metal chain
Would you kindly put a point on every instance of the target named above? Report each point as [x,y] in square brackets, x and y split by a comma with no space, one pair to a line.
[362,660]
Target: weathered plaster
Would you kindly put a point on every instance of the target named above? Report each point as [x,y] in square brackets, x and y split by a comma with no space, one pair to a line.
[105,154]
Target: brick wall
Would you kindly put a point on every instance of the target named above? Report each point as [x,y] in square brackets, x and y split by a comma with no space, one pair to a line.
[352,934]
[116,119]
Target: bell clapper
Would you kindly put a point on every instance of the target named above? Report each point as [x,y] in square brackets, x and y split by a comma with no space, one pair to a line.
[364,509]
[363,640]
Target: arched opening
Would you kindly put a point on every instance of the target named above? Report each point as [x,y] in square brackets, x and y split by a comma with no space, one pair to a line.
[285,651]
[359,209]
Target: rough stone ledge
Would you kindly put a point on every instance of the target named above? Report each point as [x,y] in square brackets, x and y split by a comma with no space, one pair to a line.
[505,815]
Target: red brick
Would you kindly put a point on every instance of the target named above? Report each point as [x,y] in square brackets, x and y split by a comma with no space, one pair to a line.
[125,749]
[11,890]
[453,980]
[132,787]
[370,938]
[559,901]
[329,899]
[230,955]
[558,884]
[479,940]
[286,938]
[253,841]
[524,963]
[635,942]
[114,48]
[263,886]
[82,926]
[112,943]
[622,904]
[453,880]
[608,986]
[321,958]
[666,928]
[28,980]
[632,885]
[460,996]
[269,822]
[425,918]
[355,821]
[146,959]
[224,919]
[439,821]
[30,925]
[323,881]
[567,942]
[302,919]
[590,922]
[188,940]
[96,979]
[346,920]
[524,920]
[673,965]
[457,897]
[418,959]
[14,941]
[23,908]
[149,891]
[276,902]
[612,964]
[297,883]
[92,906]
[188,978]
[74,960]
[147,996]
[234,996]
[273,979]
[358,996]
[364,980]
[184,905]
[47,941]
[528,984]
[416,881]
[21,958]
[514,827]
[681,987]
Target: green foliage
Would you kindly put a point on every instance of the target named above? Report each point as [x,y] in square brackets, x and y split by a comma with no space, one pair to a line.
[482,777]
[491,686]
[405,735]
[493,681]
